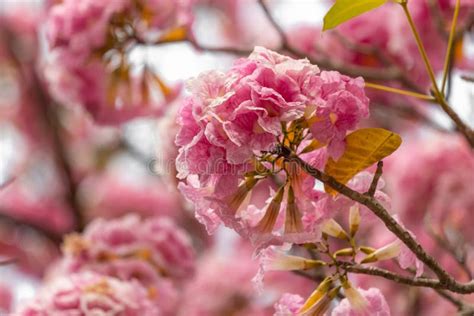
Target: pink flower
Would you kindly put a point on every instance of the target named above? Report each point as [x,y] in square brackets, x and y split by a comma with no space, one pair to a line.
[275,258]
[84,69]
[223,286]
[395,248]
[288,305]
[91,294]
[435,186]
[340,106]
[112,195]
[6,299]
[234,122]
[155,246]
[377,306]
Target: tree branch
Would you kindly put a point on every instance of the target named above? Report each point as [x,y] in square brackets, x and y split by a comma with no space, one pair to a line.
[50,117]
[375,180]
[10,221]
[446,281]
[412,281]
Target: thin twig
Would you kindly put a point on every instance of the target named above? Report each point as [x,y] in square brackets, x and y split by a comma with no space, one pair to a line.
[386,274]
[460,258]
[435,10]
[375,180]
[400,91]
[467,78]
[455,301]
[462,127]
[412,281]
[421,48]
[450,48]
[13,222]
[6,183]
[406,112]
[8,261]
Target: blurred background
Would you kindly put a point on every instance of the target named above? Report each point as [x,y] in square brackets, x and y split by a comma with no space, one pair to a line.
[65,161]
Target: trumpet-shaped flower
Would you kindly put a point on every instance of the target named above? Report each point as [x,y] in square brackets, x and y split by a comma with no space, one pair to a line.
[375,305]
[234,128]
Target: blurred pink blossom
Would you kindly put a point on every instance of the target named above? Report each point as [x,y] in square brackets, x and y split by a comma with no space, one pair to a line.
[90,294]
[376,305]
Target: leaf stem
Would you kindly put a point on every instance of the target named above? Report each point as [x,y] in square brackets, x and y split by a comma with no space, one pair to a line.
[439,96]
[399,91]
[449,50]
[421,48]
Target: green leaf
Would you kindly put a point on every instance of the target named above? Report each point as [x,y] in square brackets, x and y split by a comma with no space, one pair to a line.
[364,147]
[344,10]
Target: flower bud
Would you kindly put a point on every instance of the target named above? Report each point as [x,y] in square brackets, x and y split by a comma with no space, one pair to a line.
[317,299]
[344,252]
[357,301]
[389,251]
[332,228]
[354,219]
[274,260]
[367,250]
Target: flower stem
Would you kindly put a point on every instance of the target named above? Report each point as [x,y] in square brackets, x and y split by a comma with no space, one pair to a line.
[421,48]
[449,50]
[399,91]
[439,96]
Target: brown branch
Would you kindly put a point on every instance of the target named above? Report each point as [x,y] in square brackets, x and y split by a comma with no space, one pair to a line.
[412,281]
[383,112]
[363,48]
[460,125]
[468,78]
[50,117]
[438,18]
[455,301]
[11,221]
[406,280]
[446,281]
[375,180]
[8,261]
[7,183]
[456,253]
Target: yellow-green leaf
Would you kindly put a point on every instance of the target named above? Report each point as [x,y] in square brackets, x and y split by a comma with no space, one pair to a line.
[364,147]
[344,10]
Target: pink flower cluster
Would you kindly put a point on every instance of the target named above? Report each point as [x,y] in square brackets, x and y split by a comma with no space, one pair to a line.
[376,305]
[88,293]
[435,186]
[152,255]
[156,245]
[89,66]
[435,189]
[233,118]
